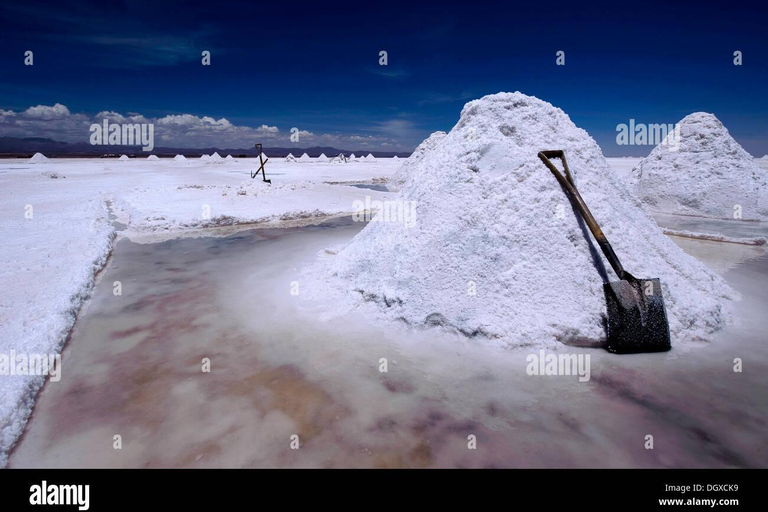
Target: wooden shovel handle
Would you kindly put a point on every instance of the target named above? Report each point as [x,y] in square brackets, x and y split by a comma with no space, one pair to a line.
[569,185]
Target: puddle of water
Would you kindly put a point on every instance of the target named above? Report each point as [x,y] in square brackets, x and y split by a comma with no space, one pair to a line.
[133,368]
[377,187]
[731,228]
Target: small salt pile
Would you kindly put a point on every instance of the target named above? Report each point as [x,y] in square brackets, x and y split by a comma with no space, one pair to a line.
[706,173]
[353,158]
[180,158]
[205,158]
[290,158]
[123,158]
[322,158]
[153,157]
[230,158]
[38,158]
[339,159]
[412,161]
[370,158]
[482,238]
[305,158]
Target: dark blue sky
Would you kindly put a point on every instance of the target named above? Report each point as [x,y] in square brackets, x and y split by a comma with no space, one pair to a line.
[315,66]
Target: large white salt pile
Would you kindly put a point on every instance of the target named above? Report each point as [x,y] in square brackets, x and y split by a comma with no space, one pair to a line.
[290,158]
[305,158]
[495,248]
[123,158]
[153,157]
[339,159]
[706,174]
[417,156]
[322,158]
[37,158]
[180,158]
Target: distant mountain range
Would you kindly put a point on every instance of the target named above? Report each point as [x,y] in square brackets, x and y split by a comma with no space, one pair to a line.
[15,147]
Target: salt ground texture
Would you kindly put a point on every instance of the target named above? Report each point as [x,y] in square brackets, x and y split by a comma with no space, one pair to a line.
[37,158]
[497,252]
[708,175]
[422,149]
[51,259]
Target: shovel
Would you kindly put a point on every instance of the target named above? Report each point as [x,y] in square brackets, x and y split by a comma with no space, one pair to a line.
[637,318]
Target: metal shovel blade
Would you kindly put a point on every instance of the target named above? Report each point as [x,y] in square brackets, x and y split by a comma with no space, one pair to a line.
[637,318]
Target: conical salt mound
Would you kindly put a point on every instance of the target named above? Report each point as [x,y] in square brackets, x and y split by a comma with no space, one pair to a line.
[304,158]
[290,158]
[153,157]
[215,157]
[370,158]
[706,173]
[230,158]
[205,157]
[339,159]
[322,158]
[180,158]
[395,157]
[352,157]
[123,158]
[417,156]
[495,250]
[37,158]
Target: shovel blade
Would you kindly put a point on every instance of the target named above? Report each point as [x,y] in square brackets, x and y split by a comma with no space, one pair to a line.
[637,317]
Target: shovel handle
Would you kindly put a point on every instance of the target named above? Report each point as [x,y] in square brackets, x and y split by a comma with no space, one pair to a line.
[568,184]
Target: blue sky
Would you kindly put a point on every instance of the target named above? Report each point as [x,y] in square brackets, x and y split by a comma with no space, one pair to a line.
[314,66]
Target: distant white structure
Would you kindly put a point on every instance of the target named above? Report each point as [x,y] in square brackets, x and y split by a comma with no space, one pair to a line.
[152,157]
[290,158]
[304,158]
[37,158]
[395,158]
[123,158]
[322,158]
[180,158]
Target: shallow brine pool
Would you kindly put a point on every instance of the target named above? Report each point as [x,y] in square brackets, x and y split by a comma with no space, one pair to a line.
[288,388]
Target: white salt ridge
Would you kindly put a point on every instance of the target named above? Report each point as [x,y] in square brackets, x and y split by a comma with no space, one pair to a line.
[708,175]
[417,156]
[123,158]
[37,158]
[490,254]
